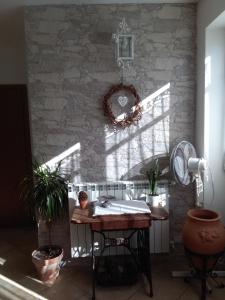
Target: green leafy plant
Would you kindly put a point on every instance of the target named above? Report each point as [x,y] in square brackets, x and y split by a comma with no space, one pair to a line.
[46,193]
[153,177]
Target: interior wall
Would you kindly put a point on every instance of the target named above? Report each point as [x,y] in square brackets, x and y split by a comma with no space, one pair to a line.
[214,115]
[71,66]
[12,46]
[207,11]
[210,98]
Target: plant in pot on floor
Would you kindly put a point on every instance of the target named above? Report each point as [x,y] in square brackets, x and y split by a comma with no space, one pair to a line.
[153,175]
[46,194]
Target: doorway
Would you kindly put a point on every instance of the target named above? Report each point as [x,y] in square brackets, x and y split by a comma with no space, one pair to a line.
[15,158]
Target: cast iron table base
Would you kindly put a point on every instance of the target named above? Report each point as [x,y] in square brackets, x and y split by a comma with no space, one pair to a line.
[141,257]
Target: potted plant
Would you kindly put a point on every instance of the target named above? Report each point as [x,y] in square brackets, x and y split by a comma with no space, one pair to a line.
[46,194]
[153,175]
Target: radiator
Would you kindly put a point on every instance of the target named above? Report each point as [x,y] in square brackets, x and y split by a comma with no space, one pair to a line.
[80,234]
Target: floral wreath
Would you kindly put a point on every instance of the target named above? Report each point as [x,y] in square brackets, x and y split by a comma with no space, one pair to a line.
[129,119]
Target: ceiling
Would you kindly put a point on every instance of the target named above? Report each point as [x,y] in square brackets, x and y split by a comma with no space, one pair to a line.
[106,1]
[43,2]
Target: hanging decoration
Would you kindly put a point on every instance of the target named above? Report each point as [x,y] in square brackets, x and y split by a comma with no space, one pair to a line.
[123,95]
[124,42]
[133,116]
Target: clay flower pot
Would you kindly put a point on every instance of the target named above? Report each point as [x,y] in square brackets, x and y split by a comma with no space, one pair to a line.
[47,267]
[84,204]
[203,233]
[83,199]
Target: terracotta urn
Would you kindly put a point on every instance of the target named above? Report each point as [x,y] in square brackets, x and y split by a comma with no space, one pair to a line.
[203,233]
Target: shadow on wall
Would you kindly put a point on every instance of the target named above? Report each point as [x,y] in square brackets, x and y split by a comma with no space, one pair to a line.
[126,154]
[106,155]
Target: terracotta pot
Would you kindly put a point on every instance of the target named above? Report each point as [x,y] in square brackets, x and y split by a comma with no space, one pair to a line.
[48,269]
[83,199]
[83,204]
[203,233]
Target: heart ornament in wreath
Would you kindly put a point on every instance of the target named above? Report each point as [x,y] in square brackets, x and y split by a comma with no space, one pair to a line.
[128,118]
[122,100]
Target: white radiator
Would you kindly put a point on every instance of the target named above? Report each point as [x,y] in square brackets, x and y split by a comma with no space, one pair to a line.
[80,234]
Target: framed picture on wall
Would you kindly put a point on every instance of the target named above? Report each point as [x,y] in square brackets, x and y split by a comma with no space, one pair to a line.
[125,47]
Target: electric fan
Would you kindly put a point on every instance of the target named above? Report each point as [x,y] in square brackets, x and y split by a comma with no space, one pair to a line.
[186,167]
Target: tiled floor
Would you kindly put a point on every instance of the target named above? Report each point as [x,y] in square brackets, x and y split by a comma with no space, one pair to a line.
[18,279]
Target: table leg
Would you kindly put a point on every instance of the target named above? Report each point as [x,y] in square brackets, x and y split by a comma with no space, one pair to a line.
[204,276]
[93,265]
[148,270]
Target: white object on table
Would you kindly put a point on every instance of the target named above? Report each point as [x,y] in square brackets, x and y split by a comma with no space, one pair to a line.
[120,207]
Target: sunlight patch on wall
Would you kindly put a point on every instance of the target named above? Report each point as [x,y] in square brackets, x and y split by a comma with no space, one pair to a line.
[128,148]
[207,71]
[162,92]
[207,106]
[70,161]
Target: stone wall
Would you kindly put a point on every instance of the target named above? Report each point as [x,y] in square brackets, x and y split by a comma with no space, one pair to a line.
[71,66]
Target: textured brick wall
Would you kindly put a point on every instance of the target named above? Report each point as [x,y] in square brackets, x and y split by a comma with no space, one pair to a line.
[71,65]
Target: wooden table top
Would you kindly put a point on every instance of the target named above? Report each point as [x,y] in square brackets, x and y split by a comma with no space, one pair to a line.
[117,222]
